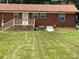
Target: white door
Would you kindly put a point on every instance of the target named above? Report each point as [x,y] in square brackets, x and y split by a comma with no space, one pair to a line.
[25,18]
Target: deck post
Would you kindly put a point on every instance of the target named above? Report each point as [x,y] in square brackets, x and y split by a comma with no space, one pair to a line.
[13,21]
[2,22]
[34,24]
[14,24]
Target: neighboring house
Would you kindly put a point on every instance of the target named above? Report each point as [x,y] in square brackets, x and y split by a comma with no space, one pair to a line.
[13,15]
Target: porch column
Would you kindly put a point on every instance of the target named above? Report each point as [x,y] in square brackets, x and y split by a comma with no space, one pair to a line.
[13,21]
[2,23]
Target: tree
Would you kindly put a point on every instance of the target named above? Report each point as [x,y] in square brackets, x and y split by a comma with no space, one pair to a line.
[23,1]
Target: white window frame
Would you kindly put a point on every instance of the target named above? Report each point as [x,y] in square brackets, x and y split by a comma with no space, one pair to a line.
[61,15]
[42,15]
[39,15]
[35,15]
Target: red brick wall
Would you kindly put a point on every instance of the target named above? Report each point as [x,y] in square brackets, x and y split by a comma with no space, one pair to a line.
[70,20]
[6,16]
[54,19]
[50,20]
[9,16]
[19,20]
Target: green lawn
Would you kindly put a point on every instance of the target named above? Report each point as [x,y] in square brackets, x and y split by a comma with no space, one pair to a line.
[61,44]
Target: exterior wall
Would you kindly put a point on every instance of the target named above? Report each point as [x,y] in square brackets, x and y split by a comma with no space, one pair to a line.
[19,20]
[70,20]
[9,16]
[6,17]
[54,19]
[30,17]
[50,20]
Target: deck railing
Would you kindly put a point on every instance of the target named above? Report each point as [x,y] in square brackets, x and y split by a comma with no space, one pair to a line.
[14,23]
[32,22]
[7,25]
[18,22]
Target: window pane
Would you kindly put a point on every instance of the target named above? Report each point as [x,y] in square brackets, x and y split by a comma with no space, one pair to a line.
[35,15]
[43,15]
[39,15]
[61,17]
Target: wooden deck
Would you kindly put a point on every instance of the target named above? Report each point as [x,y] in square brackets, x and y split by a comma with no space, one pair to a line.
[23,27]
[11,25]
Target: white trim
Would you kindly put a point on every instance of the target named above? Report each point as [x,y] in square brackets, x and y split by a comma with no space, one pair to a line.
[39,15]
[25,18]
[19,11]
[7,28]
[13,22]
[35,15]
[76,17]
[43,15]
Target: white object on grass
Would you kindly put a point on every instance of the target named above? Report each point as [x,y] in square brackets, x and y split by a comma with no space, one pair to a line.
[50,28]
[77,25]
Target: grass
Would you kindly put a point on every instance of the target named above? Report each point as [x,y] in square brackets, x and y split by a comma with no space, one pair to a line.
[61,44]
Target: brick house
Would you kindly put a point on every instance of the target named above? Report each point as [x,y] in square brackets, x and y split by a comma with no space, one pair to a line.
[32,15]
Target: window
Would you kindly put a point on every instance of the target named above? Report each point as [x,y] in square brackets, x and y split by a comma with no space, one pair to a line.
[61,17]
[42,15]
[39,15]
[35,15]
